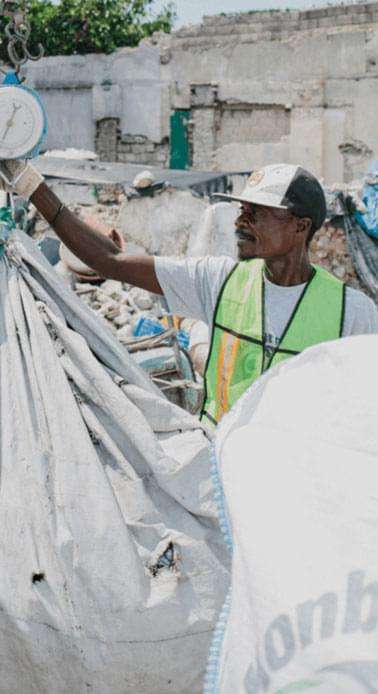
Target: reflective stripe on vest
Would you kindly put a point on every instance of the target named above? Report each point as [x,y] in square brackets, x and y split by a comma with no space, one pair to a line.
[237,352]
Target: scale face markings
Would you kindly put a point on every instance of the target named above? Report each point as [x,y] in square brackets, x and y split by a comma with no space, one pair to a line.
[21,122]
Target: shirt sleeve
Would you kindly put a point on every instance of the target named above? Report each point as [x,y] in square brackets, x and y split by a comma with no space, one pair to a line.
[361,314]
[191,286]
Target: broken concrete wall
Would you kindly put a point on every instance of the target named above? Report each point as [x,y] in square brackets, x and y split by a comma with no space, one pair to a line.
[117,104]
[259,87]
[294,86]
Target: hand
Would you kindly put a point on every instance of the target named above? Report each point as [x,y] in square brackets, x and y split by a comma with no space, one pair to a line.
[17,175]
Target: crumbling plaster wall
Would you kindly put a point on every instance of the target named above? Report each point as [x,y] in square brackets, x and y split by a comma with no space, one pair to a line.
[260,87]
[117,104]
[309,80]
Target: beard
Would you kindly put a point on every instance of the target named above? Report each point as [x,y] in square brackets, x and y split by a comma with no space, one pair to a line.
[245,242]
[246,253]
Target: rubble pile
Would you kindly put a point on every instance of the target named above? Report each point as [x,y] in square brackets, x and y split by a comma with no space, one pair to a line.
[329,249]
[173,223]
[120,305]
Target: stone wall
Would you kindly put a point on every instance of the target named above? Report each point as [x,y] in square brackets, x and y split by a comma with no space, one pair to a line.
[260,87]
[112,145]
[272,86]
[117,104]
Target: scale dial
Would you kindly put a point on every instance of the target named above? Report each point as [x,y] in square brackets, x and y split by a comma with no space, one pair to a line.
[22,122]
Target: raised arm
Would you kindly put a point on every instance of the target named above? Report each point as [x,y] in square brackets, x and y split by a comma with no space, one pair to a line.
[93,248]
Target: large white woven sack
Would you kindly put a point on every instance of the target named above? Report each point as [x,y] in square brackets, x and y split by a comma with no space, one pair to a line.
[112,565]
[298,459]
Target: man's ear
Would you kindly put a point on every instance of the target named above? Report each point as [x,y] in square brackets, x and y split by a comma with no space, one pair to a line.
[304,225]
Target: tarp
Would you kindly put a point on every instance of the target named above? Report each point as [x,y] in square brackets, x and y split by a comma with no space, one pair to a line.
[105,173]
[364,252]
[112,565]
[297,458]
[368,220]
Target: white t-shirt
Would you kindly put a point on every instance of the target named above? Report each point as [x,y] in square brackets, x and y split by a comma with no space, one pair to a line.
[191,288]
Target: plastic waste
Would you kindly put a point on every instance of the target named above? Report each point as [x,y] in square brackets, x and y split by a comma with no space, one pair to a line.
[368,218]
[147,326]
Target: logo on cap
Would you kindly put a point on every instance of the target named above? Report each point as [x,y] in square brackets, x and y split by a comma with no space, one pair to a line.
[256,178]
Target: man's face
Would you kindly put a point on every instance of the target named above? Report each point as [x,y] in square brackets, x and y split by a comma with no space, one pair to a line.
[266,232]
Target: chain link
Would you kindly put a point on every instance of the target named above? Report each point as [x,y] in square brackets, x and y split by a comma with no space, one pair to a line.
[18,32]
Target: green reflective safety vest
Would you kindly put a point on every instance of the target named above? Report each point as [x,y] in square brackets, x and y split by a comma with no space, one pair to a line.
[237,353]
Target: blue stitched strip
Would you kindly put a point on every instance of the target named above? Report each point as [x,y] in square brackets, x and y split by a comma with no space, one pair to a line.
[212,676]
[220,500]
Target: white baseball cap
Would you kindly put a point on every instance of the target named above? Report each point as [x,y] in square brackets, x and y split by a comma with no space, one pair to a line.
[285,187]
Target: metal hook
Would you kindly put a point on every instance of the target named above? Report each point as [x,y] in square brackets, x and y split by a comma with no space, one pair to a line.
[18,32]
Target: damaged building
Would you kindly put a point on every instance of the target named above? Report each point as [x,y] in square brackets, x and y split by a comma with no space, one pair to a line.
[255,87]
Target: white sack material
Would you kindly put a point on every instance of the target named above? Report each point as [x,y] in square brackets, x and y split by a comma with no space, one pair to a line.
[215,234]
[112,565]
[298,458]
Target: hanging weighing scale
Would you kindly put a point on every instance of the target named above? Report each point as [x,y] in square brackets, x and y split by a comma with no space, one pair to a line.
[23,121]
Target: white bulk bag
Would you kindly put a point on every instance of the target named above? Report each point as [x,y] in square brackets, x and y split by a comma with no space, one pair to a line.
[298,459]
[112,565]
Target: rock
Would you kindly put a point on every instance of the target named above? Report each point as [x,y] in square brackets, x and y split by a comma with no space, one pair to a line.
[141,298]
[112,288]
[124,299]
[329,249]
[107,308]
[125,333]
[144,180]
[339,271]
[122,319]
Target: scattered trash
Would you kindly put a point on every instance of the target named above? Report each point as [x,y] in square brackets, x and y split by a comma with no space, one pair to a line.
[368,217]
[146,326]
[180,223]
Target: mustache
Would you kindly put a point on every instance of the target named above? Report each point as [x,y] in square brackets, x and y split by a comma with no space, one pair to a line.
[243,228]
[244,222]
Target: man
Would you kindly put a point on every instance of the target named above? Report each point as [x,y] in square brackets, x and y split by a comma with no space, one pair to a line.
[267,308]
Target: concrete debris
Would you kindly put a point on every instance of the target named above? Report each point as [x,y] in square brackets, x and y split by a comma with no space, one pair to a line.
[145,179]
[329,249]
[122,308]
[174,223]
[120,305]
[164,224]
